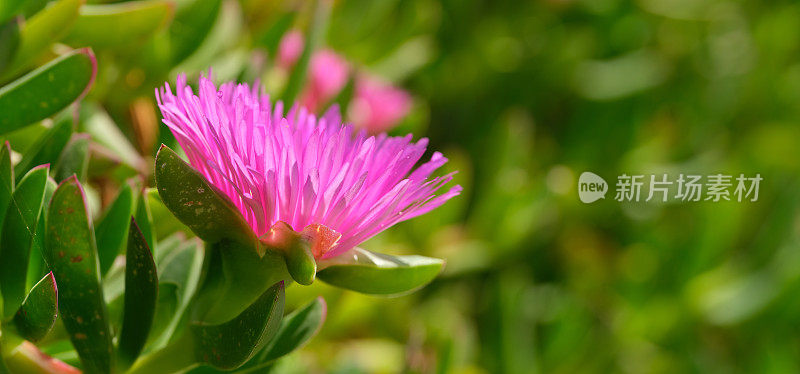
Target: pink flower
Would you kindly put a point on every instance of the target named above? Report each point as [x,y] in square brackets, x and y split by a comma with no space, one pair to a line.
[377,106]
[316,175]
[290,49]
[327,76]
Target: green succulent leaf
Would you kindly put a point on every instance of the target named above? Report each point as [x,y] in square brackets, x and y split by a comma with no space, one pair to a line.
[198,204]
[3,367]
[379,274]
[167,223]
[31,7]
[6,180]
[48,147]
[46,90]
[224,346]
[122,24]
[166,247]
[25,137]
[71,254]
[37,315]
[141,292]
[9,41]
[42,30]
[193,21]
[230,344]
[145,218]
[235,278]
[179,274]
[296,330]
[19,229]
[74,159]
[112,231]
[37,268]
[9,8]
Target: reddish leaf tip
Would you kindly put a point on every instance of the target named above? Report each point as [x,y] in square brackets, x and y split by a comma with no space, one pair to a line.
[55,286]
[93,60]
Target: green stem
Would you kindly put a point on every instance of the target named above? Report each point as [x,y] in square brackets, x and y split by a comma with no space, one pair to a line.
[176,357]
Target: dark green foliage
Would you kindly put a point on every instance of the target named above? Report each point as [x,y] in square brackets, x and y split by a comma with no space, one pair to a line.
[71,254]
[18,232]
[141,292]
[37,314]
[46,90]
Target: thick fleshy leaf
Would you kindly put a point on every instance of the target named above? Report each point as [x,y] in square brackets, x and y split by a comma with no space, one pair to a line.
[316,35]
[38,312]
[198,204]
[166,247]
[19,229]
[9,8]
[41,31]
[6,180]
[231,344]
[141,291]
[192,23]
[179,274]
[25,137]
[37,268]
[46,90]
[3,367]
[224,346]
[379,274]
[236,278]
[9,41]
[74,159]
[145,218]
[71,254]
[29,8]
[178,265]
[296,330]
[168,225]
[113,284]
[112,231]
[48,147]
[122,24]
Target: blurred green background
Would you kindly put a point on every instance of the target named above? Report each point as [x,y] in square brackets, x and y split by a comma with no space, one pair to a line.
[523,96]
